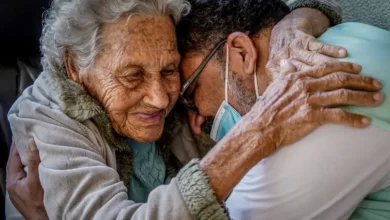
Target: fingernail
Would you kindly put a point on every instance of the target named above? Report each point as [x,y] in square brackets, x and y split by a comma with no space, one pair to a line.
[366,121]
[378,97]
[377,84]
[343,53]
[357,67]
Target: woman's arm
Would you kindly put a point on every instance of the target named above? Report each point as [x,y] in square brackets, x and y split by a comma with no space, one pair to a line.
[77,181]
[330,8]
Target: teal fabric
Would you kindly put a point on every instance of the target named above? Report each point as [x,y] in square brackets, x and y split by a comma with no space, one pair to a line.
[368,46]
[375,206]
[149,170]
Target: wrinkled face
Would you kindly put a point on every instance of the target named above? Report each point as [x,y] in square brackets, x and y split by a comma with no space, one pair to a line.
[135,75]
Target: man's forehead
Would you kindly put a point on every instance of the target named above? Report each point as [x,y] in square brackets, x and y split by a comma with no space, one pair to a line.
[142,33]
[188,65]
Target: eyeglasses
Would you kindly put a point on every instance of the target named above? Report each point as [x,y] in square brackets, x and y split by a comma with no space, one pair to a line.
[189,104]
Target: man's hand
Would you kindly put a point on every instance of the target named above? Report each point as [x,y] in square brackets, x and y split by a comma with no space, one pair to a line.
[25,190]
[295,38]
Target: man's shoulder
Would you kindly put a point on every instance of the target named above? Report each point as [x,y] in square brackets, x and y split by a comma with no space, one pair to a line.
[335,151]
[325,175]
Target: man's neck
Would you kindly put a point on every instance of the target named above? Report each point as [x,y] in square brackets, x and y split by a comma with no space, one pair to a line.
[262,43]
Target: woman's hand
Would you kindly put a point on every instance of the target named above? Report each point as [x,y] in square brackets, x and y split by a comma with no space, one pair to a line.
[295,38]
[298,102]
[25,190]
[292,106]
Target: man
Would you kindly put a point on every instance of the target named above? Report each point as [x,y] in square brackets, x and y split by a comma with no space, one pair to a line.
[326,174]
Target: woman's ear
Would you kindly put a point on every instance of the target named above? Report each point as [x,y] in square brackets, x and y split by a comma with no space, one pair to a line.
[243,53]
[72,71]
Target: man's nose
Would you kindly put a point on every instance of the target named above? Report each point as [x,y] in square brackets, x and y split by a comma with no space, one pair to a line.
[157,94]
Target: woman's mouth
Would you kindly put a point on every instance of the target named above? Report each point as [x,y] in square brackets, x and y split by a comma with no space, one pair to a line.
[151,117]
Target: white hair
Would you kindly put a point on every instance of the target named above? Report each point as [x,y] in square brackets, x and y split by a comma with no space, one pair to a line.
[74,25]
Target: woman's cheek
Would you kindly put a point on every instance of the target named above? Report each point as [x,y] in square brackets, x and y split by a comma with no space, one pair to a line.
[174,85]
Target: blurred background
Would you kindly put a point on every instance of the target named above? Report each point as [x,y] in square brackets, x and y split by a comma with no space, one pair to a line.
[20,29]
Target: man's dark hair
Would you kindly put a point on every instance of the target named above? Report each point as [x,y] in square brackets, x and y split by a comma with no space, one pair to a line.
[211,21]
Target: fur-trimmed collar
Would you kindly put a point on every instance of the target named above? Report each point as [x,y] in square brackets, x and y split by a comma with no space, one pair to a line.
[77,104]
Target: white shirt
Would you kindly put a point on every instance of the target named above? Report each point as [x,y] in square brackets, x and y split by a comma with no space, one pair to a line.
[323,176]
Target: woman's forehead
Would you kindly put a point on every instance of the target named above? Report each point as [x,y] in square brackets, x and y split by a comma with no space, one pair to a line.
[141,33]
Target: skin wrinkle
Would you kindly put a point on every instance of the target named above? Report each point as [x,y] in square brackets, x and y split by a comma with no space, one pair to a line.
[127,79]
[159,43]
[109,93]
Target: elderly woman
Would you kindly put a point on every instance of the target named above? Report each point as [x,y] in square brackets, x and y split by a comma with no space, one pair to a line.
[98,111]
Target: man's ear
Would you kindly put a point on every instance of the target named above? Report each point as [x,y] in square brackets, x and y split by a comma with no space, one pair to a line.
[242,53]
[196,122]
[72,71]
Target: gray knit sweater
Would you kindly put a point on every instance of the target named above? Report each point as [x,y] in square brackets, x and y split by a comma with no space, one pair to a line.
[374,12]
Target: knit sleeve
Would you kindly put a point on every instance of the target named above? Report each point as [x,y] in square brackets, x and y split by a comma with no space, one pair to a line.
[329,7]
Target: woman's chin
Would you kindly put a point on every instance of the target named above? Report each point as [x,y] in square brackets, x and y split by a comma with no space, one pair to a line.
[146,134]
[139,130]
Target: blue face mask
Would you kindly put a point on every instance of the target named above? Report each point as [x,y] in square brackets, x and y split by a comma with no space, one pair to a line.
[227,116]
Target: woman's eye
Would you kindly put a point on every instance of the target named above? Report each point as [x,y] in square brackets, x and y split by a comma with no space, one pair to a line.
[135,75]
[168,72]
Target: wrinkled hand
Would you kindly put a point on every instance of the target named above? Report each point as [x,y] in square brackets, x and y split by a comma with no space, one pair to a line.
[292,106]
[298,102]
[25,190]
[293,41]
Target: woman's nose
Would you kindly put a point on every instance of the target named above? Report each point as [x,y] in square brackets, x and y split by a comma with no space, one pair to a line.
[157,94]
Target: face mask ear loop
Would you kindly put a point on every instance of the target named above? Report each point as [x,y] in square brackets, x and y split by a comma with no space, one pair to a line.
[227,73]
[256,86]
